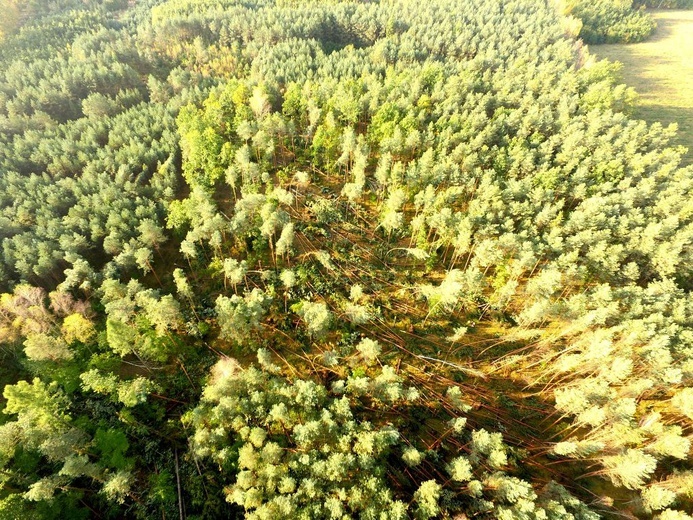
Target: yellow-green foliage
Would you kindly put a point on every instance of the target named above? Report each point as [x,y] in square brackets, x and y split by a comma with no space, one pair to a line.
[661,72]
[462,267]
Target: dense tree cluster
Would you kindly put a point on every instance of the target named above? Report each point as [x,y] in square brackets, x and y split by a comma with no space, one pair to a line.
[665,4]
[338,259]
[610,21]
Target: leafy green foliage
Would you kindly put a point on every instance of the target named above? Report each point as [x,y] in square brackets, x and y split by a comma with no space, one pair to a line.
[433,225]
[610,21]
[301,453]
[301,450]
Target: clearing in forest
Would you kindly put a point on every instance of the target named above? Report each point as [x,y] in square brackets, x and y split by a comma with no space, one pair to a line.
[661,71]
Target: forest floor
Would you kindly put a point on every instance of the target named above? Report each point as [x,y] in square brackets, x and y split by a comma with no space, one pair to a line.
[661,71]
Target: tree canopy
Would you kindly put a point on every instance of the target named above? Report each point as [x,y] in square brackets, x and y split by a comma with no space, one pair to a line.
[338,259]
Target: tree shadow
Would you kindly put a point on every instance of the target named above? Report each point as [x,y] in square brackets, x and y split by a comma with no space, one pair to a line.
[664,30]
[655,72]
[665,114]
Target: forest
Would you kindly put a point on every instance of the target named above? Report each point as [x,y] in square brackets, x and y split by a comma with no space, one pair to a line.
[333,259]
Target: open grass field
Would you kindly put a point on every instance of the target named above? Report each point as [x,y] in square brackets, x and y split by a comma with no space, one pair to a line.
[661,71]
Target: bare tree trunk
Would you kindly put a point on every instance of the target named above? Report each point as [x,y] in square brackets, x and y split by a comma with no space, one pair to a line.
[180,497]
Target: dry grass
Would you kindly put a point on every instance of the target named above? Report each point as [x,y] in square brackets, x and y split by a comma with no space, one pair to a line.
[661,71]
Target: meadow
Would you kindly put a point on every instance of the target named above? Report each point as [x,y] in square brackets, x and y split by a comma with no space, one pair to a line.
[661,71]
